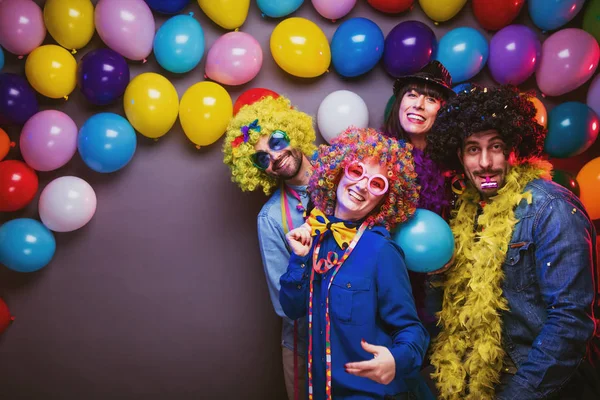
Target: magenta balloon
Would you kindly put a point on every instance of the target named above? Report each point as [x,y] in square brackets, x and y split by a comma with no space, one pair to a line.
[48,140]
[569,58]
[593,95]
[514,53]
[126,26]
[22,26]
[234,59]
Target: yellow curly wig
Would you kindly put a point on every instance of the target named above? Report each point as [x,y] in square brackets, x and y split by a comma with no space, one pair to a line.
[271,114]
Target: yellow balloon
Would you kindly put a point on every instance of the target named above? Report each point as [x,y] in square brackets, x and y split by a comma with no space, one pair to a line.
[70,22]
[151,104]
[441,10]
[204,112]
[300,48]
[52,71]
[229,14]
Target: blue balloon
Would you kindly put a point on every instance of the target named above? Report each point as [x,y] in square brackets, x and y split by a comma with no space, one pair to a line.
[572,129]
[179,44]
[278,8]
[1,58]
[463,87]
[427,241]
[464,52]
[26,245]
[552,14]
[167,6]
[356,47]
[106,142]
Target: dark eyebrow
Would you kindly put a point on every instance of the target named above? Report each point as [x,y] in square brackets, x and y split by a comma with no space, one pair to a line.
[497,137]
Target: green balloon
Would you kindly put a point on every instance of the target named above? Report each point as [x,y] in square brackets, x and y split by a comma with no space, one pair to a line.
[591,19]
[567,180]
[388,108]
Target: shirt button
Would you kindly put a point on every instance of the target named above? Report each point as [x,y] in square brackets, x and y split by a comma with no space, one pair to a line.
[299,286]
[348,285]
[321,332]
[302,265]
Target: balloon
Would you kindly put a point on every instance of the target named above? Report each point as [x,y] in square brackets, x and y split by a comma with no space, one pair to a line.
[589,183]
[48,140]
[391,6]
[300,48]
[569,59]
[496,14]
[552,14]
[151,104]
[167,6]
[408,47]
[541,115]
[5,318]
[463,87]
[102,76]
[127,27]
[67,204]
[590,19]
[251,96]
[464,52]
[572,129]
[52,71]
[228,14]
[204,112]
[427,241]
[356,47]
[278,8]
[333,9]
[21,26]
[106,142]
[18,185]
[1,58]
[514,53]
[339,111]
[26,245]
[593,95]
[234,59]
[70,22]
[179,44]
[5,144]
[441,10]
[17,100]
[566,180]
[388,107]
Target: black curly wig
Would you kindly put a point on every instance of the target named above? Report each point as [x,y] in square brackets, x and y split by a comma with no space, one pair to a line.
[480,109]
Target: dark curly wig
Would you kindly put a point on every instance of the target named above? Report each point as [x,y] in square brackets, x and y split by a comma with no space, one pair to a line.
[480,109]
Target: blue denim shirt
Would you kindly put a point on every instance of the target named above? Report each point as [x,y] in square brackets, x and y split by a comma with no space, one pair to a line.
[275,255]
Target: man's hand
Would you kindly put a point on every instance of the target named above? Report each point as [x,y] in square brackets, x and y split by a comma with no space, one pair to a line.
[381,369]
[300,240]
[445,268]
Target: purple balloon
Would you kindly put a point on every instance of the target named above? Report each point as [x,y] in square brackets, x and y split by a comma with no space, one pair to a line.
[593,95]
[17,99]
[102,76]
[22,26]
[408,47]
[514,54]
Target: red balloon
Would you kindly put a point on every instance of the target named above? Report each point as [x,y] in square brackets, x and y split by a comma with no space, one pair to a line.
[251,96]
[494,15]
[391,6]
[18,185]
[5,317]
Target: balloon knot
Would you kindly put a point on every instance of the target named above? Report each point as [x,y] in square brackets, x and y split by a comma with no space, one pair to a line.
[333,20]
[144,61]
[20,57]
[66,98]
[198,146]
[156,139]
[262,15]
[236,30]
[12,318]
[12,144]
[436,23]
[191,14]
[327,71]
[74,51]
[205,76]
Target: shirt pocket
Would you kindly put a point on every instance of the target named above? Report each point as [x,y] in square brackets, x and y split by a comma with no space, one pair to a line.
[350,299]
[519,266]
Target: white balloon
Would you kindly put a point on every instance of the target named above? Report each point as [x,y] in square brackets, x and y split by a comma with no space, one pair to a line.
[67,203]
[340,110]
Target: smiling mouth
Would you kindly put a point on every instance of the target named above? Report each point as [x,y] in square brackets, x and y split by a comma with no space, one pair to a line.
[281,163]
[355,196]
[415,118]
[488,183]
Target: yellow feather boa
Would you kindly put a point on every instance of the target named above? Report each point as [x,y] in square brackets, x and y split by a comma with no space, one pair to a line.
[468,354]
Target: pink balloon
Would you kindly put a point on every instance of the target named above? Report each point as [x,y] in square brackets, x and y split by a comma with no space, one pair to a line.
[593,95]
[234,59]
[126,26]
[569,58]
[48,140]
[66,204]
[22,26]
[333,9]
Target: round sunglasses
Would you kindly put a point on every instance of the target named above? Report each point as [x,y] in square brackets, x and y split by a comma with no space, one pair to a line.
[377,184]
[278,140]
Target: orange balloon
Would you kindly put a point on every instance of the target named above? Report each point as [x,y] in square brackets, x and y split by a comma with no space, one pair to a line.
[5,144]
[589,183]
[541,114]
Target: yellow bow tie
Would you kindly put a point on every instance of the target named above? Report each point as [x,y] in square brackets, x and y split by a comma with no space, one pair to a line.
[342,233]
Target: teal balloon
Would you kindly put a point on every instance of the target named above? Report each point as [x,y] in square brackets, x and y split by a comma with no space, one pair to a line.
[464,52]
[566,180]
[1,58]
[278,8]
[426,240]
[572,129]
[552,14]
[26,245]
[179,44]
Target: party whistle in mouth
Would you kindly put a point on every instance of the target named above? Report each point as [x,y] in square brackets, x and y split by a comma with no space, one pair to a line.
[488,184]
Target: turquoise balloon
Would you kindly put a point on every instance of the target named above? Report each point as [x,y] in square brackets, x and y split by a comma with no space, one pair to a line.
[552,14]
[278,8]
[179,44]
[572,129]
[1,58]
[26,245]
[464,52]
[426,240]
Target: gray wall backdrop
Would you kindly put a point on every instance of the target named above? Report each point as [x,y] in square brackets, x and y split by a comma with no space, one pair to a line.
[162,295]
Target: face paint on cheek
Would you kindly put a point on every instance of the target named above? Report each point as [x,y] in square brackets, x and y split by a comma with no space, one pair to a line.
[488,184]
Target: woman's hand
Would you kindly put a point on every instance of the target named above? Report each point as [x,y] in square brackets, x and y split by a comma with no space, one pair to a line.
[445,268]
[300,240]
[381,369]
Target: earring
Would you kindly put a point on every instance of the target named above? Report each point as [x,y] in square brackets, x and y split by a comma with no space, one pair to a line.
[458,184]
